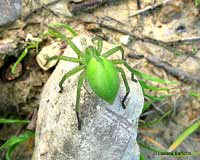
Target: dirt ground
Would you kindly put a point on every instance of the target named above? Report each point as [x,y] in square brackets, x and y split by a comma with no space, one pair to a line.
[169,34]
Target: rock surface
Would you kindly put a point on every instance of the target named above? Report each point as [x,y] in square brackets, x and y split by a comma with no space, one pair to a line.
[9,11]
[8,47]
[108,131]
[48,51]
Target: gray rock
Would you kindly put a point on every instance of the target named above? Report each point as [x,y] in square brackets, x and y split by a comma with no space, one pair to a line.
[108,131]
[8,47]
[9,11]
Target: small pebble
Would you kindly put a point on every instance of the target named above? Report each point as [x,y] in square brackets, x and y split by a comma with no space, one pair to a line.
[93,27]
[125,39]
[46,52]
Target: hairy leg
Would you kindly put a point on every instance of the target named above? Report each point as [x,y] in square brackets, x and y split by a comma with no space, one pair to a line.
[69,73]
[114,50]
[138,4]
[126,85]
[78,95]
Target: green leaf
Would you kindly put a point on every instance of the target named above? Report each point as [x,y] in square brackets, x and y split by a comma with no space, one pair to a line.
[191,129]
[156,99]
[152,78]
[142,156]
[17,139]
[9,152]
[197,3]
[194,94]
[146,106]
[145,86]
[21,57]
[10,121]
[14,141]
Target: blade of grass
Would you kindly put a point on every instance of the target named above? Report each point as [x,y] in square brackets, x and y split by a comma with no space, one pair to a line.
[191,129]
[155,121]
[17,139]
[197,3]
[160,98]
[14,141]
[152,78]
[142,156]
[145,86]
[146,106]
[9,152]
[24,53]
[10,121]
[194,94]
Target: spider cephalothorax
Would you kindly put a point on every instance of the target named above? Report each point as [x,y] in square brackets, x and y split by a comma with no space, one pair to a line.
[101,73]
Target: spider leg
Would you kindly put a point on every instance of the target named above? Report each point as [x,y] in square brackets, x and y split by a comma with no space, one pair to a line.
[100,44]
[54,32]
[126,85]
[65,58]
[68,74]
[67,27]
[138,4]
[127,66]
[78,94]
[114,50]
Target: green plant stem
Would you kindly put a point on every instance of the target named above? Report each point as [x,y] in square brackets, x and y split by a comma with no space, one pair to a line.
[11,121]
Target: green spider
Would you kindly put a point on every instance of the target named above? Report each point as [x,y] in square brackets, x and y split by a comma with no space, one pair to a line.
[101,73]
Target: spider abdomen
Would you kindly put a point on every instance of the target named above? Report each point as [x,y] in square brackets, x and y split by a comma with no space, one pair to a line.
[103,78]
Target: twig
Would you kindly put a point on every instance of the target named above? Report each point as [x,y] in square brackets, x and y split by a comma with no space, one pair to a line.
[90,5]
[144,39]
[150,8]
[153,141]
[183,76]
[138,4]
[155,107]
[184,40]
[113,19]
[87,5]
[32,124]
